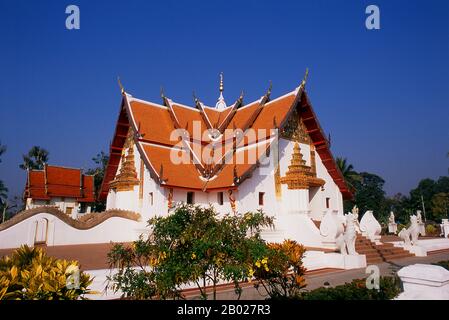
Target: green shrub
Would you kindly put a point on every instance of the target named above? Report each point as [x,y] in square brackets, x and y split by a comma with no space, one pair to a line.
[281,272]
[390,287]
[432,230]
[444,264]
[30,274]
[191,245]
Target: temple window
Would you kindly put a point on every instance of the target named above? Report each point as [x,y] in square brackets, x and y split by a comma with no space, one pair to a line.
[220,198]
[190,197]
[328,200]
[261,196]
[83,207]
[151,198]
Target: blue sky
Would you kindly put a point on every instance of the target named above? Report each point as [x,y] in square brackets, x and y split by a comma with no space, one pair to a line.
[383,95]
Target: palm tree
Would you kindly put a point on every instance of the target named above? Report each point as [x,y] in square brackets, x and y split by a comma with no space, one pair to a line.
[35,159]
[2,150]
[349,174]
[3,192]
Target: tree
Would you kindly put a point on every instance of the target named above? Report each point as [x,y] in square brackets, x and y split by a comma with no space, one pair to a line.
[2,150]
[101,161]
[349,174]
[399,204]
[35,159]
[369,195]
[191,245]
[440,205]
[3,192]
[3,188]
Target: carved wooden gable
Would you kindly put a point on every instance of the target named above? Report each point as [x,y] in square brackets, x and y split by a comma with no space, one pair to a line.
[295,129]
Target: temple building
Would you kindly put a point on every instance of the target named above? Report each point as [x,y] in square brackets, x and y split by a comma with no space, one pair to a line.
[68,189]
[269,154]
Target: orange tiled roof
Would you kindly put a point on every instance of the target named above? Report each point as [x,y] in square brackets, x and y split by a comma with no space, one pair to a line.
[56,181]
[154,124]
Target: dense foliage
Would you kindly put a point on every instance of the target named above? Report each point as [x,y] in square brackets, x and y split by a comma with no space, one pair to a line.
[389,288]
[369,194]
[281,272]
[194,246]
[101,162]
[30,274]
[190,246]
[444,264]
[35,159]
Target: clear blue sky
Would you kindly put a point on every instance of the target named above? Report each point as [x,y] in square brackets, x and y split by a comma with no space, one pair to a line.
[383,95]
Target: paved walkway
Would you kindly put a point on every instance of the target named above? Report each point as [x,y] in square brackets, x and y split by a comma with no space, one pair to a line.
[335,277]
[94,257]
[90,256]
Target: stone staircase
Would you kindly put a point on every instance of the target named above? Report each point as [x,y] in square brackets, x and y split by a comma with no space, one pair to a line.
[375,253]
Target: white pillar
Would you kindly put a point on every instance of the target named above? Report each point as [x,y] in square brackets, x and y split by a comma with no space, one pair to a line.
[297,201]
[424,282]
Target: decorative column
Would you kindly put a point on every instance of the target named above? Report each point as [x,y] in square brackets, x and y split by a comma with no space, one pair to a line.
[299,178]
[125,181]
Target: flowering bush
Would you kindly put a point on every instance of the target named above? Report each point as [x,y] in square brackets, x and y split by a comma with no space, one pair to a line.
[280,272]
[389,288]
[30,274]
[191,246]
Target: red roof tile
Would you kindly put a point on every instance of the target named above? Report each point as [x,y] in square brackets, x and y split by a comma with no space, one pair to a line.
[56,181]
[155,123]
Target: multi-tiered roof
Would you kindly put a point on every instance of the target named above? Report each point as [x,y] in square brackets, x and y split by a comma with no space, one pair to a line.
[212,161]
[55,181]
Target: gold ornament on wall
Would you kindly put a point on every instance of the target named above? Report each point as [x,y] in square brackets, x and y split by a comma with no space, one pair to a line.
[299,175]
[127,177]
[295,129]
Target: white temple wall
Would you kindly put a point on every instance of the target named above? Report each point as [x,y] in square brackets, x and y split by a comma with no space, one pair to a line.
[247,197]
[331,190]
[61,203]
[53,231]
[204,199]
[154,199]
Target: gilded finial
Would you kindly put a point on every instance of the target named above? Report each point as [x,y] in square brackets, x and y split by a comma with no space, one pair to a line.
[269,89]
[303,83]
[221,82]
[221,103]
[122,90]
[162,92]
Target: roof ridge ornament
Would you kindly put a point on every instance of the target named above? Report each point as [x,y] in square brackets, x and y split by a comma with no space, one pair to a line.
[304,80]
[221,103]
[122,89]
[269,90]
[162,93]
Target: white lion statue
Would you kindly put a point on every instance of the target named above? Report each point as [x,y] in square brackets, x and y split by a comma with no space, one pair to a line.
[410,235]
[346,240]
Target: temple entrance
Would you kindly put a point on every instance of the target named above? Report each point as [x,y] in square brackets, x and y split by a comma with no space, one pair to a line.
[41,232]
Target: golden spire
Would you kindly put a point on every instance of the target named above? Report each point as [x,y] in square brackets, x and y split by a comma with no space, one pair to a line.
[304,80]
[122,90]
[221,103]
[127,178]
[221,82]
[299,175]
